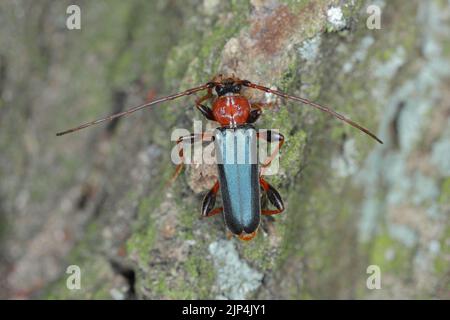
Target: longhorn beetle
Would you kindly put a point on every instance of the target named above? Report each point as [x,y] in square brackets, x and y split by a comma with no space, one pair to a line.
[239,183]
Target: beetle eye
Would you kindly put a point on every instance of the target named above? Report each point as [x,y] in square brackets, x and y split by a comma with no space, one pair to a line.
[220,90]
[237,88]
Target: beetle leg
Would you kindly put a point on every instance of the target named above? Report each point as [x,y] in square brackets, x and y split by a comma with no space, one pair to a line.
[192,138]
[273,196]
[254,115]
[206,111]
[271,136]
[257,111]
[209,201]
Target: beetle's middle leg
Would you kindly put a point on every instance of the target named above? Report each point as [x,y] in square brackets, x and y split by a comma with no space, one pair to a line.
[271,136]
[192,138]
[273,196]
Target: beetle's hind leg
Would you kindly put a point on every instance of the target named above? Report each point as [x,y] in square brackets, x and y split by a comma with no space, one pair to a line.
[209,201]
[273,196]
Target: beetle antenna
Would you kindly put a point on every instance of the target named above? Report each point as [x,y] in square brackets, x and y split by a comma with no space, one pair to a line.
[313,104]
[142,106]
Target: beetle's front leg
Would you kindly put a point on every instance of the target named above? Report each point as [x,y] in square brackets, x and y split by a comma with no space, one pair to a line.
[254,115]
[209,201]
[273,196]
[206,111]
[257,111]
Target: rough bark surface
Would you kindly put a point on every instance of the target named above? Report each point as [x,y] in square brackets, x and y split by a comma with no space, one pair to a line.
[97,199]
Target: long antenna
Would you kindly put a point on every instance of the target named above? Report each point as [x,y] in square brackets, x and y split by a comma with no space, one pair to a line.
[313,104]
[142,106]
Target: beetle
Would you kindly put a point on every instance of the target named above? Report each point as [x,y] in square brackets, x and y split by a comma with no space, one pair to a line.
[240,183]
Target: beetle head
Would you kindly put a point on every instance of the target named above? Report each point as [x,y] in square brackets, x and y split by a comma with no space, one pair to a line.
[228,85]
